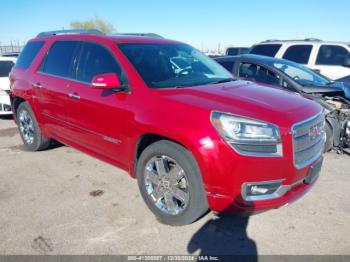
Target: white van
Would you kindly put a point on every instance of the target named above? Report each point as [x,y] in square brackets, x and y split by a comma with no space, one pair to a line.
[331,59]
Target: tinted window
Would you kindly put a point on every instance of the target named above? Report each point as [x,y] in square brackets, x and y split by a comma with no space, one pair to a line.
[331,55]
[5,68]
[257,73]
[232,51]
[60,59]
[227,64]
[28,54]
[267,50]
[298,53]
[96,60]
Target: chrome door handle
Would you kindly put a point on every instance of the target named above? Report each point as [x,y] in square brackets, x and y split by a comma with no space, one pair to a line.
[37,85]
[74,96]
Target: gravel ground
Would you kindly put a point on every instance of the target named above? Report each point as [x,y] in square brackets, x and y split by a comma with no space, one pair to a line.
[61,201]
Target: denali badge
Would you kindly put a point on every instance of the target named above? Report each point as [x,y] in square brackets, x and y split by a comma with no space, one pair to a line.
[315,132]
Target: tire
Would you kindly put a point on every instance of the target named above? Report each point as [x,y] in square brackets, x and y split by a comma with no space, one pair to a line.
[29,129]
[329,138]
[181,174]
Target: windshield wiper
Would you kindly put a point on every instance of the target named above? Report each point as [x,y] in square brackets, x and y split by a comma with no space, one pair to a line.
[225,80]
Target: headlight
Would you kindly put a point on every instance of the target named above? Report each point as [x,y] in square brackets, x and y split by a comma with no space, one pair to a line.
[248,136]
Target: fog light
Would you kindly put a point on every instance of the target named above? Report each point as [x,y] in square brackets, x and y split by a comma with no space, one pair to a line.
[261,190]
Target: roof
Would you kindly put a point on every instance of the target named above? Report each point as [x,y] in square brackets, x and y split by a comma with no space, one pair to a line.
[298,41]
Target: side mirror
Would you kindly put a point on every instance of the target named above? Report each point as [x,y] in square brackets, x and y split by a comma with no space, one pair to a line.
[347,61]
[106,81]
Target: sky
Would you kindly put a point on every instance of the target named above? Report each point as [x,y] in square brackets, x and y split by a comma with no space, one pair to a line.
[204,24]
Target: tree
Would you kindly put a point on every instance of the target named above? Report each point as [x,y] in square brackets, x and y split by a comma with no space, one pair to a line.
[93,23]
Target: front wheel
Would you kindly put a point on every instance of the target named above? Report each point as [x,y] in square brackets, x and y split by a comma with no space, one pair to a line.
[170,183]
[29,129]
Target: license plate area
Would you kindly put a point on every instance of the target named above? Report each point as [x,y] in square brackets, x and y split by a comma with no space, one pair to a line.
[314,172]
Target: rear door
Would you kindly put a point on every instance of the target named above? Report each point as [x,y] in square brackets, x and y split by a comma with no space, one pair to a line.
[99,115]
[53,86]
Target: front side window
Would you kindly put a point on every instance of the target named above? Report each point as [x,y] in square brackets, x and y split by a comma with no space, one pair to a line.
[258,73]
[227,64]
[96,60]
[301,74]
[298,53]
[266,49]
[159,67]
[28,54]
[5,68]
[331,55]
[61,58]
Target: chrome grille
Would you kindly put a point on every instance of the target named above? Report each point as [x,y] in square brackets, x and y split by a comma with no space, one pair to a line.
[308,140]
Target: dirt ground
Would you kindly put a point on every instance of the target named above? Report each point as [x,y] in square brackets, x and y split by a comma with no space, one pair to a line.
[61,201]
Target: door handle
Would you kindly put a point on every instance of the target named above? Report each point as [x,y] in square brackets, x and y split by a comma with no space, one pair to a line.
[37,85]
[74,96]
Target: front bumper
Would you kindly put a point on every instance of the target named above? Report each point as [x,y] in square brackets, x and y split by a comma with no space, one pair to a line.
[284,195]
[5,104]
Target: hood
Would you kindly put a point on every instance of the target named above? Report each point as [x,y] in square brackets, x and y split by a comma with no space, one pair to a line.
[332,89]
[248,99]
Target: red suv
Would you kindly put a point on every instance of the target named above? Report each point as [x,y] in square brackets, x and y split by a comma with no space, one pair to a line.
[193,136]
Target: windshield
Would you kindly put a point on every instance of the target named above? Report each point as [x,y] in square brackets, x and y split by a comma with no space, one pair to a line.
[5,68]
[301,74]
[173,65]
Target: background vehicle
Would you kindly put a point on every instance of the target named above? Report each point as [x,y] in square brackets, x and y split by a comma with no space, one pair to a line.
[345,79]
[333,96]
[328,58]
[194,139]
[6,64]
[237,50]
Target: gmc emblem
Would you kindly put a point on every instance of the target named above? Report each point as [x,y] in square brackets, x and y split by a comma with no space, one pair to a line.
[315,132]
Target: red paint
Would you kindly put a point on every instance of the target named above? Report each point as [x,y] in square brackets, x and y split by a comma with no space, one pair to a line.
[182,115]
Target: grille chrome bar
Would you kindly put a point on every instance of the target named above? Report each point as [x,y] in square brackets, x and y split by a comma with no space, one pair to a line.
[307,147]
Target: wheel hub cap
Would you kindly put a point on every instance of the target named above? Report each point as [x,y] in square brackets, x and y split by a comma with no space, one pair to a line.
[166,184]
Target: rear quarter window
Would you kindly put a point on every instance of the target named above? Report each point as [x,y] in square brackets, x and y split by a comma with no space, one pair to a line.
[266,49]
[28,54]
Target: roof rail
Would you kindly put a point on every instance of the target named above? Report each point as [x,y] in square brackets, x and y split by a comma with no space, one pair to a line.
[140,34]
[269,40]
[71,31]
[291,40]
[312,39]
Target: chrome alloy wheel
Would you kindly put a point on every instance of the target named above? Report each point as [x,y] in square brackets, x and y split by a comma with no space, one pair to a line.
[26,126]
[166,184]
